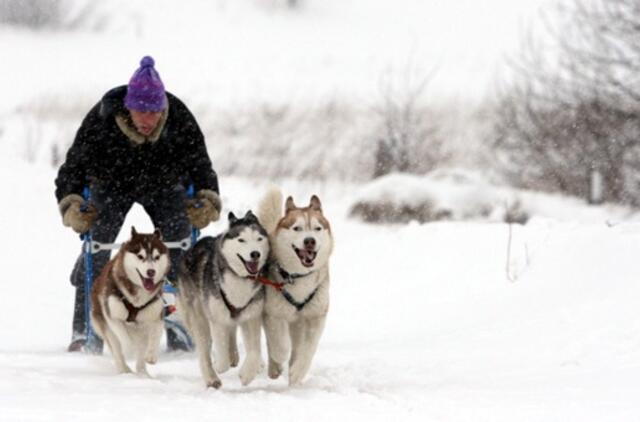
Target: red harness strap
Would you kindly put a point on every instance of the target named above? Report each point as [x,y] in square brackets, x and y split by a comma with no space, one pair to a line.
[280,287]
[267,282]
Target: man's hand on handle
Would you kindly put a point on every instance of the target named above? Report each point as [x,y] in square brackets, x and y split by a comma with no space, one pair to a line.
[76,214]
[204,208]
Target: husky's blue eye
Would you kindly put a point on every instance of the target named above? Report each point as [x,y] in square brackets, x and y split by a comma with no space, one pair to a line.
[297,229]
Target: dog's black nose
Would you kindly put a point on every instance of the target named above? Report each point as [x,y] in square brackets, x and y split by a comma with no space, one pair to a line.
[309,243]
[255,255]
[151,273]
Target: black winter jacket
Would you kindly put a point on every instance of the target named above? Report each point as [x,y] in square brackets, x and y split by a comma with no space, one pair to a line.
[103,155]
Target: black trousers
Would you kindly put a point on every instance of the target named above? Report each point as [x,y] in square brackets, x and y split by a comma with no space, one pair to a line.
[166,207]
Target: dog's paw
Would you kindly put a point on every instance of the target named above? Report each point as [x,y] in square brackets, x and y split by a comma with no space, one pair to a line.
[214,383]
[250,368]
[275,369]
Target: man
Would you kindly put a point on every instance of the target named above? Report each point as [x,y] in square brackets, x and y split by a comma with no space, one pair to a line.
[138,144]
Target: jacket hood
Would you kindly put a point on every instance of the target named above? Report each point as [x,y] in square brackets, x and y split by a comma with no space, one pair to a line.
[112,103]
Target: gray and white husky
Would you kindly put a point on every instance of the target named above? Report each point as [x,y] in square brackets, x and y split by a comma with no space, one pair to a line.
[218,290]
[296,309]
[126,308]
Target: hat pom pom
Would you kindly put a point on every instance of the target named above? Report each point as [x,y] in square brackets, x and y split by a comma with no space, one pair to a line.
[147,61]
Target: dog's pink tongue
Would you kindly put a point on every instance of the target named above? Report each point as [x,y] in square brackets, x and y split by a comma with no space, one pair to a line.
[306,257]
[148,284]
[252,267]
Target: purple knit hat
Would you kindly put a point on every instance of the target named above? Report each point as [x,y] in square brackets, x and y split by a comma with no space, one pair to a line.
[145,91]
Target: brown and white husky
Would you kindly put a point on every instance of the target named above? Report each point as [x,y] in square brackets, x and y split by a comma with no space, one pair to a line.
[126,307]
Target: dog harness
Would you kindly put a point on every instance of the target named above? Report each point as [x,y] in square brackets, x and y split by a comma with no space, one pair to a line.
[133,310]
[233,310]
[290,279]
[298,305]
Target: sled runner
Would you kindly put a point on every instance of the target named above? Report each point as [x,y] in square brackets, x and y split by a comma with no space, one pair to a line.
[90,247]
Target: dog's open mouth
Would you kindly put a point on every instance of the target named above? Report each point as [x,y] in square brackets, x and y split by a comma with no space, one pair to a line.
[306,256]
[147,282]
[252,267]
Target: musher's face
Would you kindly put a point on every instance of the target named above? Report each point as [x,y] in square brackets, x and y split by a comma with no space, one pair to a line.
[145,121]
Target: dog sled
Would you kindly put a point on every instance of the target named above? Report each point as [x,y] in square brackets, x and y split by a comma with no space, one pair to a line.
[90,247]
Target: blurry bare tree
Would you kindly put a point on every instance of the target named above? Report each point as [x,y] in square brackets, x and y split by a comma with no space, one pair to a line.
[575,112]
[33,14]
[280,4]
[408,137]
[44,14]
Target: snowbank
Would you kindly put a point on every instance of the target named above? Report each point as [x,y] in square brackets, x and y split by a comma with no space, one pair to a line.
[457,194]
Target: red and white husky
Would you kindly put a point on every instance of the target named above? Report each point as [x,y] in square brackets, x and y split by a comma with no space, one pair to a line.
[295,311]
[126,307]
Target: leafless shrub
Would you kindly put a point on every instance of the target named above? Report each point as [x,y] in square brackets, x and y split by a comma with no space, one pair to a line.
[384,212]
[34,14]
[565,116]
[44,14]
[280,4]
[45,126]
[515,213]
[320,141]
[407,138]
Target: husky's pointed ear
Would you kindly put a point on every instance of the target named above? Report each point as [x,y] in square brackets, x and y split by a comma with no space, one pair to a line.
[232,218]
[315,204]
[289,204]
[250,216]
[133,231]
[158,234]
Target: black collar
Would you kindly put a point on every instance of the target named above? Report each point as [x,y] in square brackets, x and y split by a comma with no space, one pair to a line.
[289,277]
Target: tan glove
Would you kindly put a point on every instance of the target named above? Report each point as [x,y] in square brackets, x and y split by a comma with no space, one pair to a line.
[72,216]
[204,208]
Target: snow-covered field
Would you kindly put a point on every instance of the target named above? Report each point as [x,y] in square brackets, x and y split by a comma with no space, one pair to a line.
[424,323]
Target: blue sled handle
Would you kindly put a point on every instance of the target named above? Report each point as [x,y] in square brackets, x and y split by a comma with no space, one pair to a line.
[195,233]
[91,340]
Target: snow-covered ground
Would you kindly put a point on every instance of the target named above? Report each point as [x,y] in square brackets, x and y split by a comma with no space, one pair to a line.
[424,323]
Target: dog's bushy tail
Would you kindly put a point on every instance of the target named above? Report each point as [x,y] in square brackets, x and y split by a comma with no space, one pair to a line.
[270,209]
